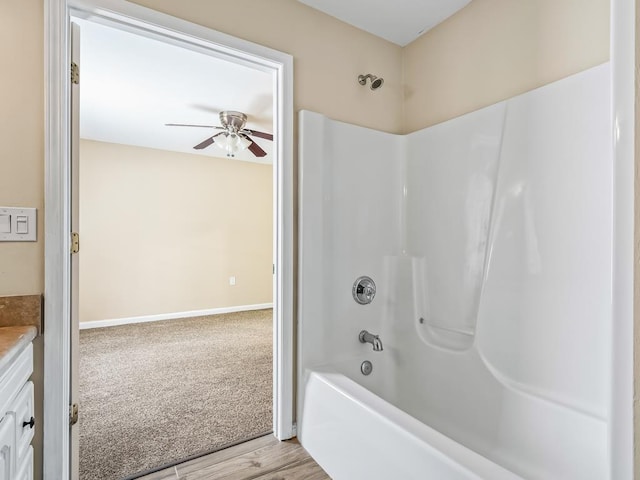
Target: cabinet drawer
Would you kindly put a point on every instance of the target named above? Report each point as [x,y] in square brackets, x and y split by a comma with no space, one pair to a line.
[23,408]
[25,468]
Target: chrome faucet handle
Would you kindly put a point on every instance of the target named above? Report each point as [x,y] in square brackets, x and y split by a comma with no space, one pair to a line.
[364,290]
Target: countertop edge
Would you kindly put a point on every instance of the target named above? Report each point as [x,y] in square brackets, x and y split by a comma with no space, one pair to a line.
[13,340]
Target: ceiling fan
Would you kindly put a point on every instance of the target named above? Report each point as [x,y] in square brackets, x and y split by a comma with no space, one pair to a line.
[233,136]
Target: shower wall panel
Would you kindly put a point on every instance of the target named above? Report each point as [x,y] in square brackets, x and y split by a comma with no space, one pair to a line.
[351,211]
[451,180]
[546,309]
[508,223]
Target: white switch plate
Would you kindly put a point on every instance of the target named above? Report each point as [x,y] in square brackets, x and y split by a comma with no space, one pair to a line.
[232,281]
[18,214]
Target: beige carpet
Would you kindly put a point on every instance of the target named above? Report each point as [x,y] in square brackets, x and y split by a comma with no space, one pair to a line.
[158,392]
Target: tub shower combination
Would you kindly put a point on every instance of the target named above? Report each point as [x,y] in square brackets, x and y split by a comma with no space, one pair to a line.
[455,291]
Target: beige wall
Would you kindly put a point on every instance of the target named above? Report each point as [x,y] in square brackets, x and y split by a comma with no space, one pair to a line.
[22,138]
[495,49]
[162,232]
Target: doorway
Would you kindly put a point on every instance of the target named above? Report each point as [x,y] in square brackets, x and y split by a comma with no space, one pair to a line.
[57,282]
[175,283]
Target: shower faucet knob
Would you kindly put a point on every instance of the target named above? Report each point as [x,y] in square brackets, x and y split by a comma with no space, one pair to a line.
[364,289]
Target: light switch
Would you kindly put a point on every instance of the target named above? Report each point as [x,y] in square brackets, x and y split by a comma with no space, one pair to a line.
[22,224]
[5,223]
[18,224]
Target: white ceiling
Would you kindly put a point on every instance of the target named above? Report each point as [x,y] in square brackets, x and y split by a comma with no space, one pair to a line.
[132,85]
[399,21]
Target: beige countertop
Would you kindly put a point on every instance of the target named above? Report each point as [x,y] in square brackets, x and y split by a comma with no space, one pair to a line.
[12,341]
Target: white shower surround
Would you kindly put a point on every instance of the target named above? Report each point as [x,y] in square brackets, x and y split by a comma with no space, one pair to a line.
[495,229]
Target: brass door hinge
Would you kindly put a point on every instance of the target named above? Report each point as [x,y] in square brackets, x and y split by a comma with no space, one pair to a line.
[73,414]
[75,242]
[75,73]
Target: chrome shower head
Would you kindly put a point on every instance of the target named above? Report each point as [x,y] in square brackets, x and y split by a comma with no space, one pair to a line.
[376,82]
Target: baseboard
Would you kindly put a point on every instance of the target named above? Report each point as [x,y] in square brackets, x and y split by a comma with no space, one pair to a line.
[172,316]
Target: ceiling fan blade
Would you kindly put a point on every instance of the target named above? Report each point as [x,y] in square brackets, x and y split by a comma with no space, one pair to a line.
[206,108]
[256,150]
[206,143]
[258,134]
[187,125]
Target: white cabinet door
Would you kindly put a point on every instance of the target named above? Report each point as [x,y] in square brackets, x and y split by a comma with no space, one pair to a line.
[7,447]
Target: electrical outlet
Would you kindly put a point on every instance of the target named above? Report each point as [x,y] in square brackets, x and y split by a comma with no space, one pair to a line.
[232,281]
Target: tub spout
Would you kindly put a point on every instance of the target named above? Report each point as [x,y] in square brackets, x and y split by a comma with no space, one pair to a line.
[366,337]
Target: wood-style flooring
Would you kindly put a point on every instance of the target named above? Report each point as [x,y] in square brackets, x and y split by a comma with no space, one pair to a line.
[264,458]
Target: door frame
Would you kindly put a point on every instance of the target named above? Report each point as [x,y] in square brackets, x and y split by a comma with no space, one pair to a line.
[57,304]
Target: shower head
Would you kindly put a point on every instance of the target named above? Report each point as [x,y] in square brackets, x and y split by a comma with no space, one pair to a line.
[376,82]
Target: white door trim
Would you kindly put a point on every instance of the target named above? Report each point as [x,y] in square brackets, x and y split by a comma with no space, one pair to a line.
[56,455]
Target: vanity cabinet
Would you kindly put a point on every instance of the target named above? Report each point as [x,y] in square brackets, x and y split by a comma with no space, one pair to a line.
[17,420]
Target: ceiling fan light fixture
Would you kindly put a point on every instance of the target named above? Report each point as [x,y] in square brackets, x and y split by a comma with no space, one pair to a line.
[231,143]
[233,136]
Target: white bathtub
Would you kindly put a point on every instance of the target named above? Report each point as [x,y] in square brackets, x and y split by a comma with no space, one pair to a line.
[430,413]
[354,434]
